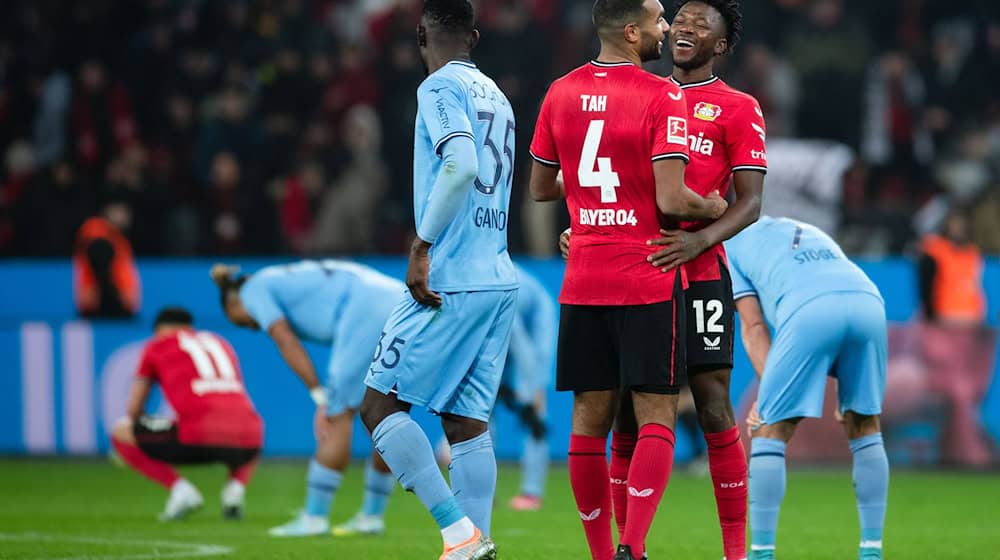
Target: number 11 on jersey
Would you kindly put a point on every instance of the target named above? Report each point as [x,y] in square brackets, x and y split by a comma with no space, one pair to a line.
[603,177]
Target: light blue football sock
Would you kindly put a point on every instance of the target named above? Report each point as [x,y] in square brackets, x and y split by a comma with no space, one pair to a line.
[378,488]
[871,486]
[534,466]
[767,490]
[473,473]
[407,451]
[321,487]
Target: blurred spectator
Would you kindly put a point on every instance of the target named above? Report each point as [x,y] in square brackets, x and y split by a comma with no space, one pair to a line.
[346,215]
[805,181]
[103,122]
[271,83]
[958,350]
[105,279]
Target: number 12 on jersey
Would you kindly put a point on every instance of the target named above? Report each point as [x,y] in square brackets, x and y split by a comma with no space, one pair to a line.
[603,177]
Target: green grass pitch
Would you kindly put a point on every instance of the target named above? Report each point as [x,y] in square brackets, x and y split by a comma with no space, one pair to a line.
[89,509]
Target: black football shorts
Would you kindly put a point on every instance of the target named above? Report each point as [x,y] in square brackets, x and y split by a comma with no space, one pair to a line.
[638,347]
[158,438]
[710,321]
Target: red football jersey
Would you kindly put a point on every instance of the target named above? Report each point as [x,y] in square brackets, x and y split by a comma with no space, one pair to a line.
[726,133]
[200,377]
[605,125]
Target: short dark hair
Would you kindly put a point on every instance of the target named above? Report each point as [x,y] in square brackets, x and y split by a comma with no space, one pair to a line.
[611,13]
[173,315]
[732,14]
[453,16]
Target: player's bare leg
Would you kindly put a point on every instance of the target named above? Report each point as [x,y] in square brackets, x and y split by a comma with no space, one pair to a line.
[871,479]
[593,415]
[407,451]
[727,461]
[650,469]
[767,485]
[333,441]
[184,497]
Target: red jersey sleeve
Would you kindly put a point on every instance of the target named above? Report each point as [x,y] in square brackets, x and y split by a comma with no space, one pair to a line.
[543,145]
[668,121]
[147,365]
[746,138]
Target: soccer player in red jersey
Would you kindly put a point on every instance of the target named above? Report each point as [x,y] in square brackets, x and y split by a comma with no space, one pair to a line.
[620,136]
[726,136]
[199,374]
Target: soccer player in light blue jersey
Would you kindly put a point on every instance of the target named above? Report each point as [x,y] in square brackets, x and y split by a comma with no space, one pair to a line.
[343,305]
[446,342]
[828,319]
[527,378]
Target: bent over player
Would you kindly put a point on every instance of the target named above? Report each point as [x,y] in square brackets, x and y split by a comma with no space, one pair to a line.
[619,135]
[828,318]
[342,305]
[216,423]
[446,342]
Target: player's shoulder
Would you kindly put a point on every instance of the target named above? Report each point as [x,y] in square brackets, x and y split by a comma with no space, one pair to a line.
[735,97]
[451,77]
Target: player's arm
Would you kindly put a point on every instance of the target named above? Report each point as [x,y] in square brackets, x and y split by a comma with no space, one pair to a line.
[459,168]
[546,183]
[676,200]
[684,246]
[138,394]
[754,332]
[296,357]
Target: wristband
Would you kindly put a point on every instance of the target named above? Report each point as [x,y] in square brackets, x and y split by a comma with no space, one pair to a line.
[318,395]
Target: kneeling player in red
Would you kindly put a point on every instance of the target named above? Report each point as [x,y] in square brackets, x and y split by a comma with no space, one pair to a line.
[216,422]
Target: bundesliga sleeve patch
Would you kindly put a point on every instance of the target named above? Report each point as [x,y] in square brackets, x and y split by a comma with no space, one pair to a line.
[677,130]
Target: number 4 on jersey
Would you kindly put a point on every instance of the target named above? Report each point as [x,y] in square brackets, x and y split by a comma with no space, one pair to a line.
[603,176]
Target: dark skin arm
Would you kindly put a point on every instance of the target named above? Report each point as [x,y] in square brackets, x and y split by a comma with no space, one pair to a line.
[684,246]
[294,353]
[137,397]
[676,200]
[418,274]
[545,184]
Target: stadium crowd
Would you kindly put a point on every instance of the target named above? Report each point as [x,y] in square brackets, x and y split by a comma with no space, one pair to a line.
[285,126]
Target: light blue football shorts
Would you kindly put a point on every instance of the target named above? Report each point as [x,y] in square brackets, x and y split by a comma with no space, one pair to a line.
[842,334]
[448,359]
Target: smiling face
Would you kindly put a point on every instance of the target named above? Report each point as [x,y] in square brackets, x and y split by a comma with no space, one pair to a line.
[652,31]
[697,35]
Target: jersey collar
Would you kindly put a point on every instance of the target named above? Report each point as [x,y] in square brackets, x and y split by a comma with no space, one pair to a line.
[465,63]
[600,64]
[711,80]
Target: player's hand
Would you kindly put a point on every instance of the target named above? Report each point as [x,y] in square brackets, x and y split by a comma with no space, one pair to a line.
[418,272]
[753,419]
[719,204]
[838,415]
[564,243]
[680,247]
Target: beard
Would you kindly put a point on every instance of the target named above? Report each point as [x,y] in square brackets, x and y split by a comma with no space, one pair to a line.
[650,51]
[697,61]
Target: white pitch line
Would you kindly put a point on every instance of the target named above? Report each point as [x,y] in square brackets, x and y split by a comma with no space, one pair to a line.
[182,550]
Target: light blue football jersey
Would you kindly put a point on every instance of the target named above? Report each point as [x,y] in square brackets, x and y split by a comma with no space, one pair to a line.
[786,263]
[471,253]
[311,295]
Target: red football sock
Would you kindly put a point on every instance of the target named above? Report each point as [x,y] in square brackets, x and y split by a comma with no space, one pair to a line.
[157,471]
[647,479]
[622,448]
[243,472]
[588,475]
[727,461]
